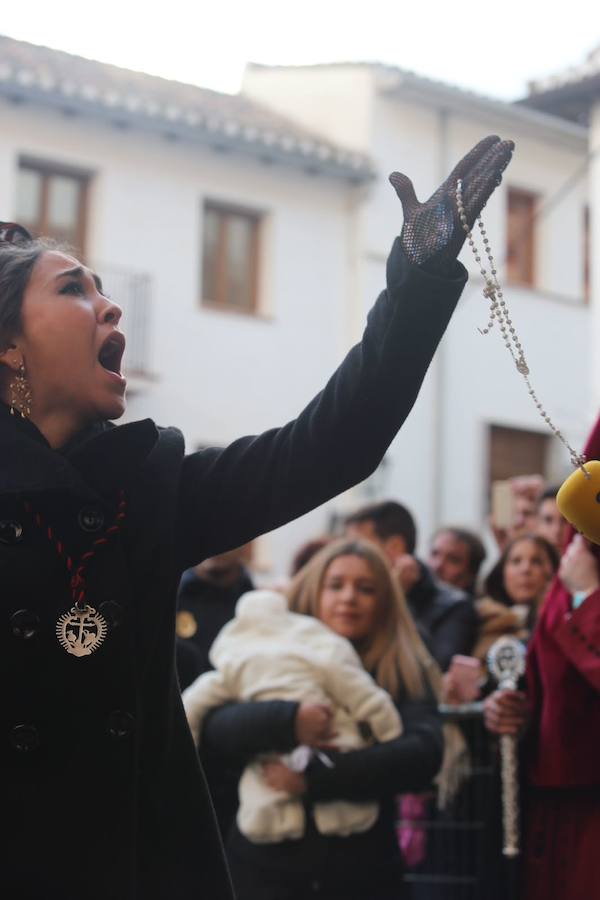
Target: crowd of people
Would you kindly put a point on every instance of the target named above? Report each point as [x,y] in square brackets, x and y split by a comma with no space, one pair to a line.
[422,629]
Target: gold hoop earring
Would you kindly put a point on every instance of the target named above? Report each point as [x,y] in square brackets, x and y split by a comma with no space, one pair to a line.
[20,394]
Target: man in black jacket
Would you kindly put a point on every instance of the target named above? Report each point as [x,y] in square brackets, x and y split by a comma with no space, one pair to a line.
[206,601]
[444,615]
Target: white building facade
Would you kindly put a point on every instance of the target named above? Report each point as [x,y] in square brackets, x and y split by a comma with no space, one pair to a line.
[474,406]
[292,175]
[574,95]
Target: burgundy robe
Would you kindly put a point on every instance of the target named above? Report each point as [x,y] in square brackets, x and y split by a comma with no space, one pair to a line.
[562,847]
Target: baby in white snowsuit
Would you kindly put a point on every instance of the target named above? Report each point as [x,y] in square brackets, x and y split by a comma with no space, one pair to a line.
[267,652]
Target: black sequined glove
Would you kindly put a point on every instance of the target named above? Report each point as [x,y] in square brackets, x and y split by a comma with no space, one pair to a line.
[432,234]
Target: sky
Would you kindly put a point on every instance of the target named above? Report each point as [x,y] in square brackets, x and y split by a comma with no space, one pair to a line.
[493,48]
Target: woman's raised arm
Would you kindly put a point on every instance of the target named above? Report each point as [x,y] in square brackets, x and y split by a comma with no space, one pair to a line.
[229,496]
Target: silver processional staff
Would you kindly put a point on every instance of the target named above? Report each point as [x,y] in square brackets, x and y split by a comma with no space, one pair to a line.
[506,662]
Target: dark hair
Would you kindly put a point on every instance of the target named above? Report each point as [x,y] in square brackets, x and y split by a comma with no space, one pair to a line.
[16,265]
[494,582]
[477,551]
[306,551]
[549,494]
[390,519]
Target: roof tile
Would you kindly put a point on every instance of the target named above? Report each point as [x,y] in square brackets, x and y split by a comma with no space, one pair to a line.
[98,87]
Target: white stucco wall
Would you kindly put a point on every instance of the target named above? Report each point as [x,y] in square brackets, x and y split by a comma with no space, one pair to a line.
[333,101]
[594,201]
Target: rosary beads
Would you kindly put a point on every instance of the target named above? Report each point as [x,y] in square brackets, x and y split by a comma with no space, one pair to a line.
[499,313]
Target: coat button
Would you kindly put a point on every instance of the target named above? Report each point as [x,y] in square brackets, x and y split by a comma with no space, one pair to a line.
[24,738]
[112,612]
[24,624]
[120,724]
[90,518]
[10,532]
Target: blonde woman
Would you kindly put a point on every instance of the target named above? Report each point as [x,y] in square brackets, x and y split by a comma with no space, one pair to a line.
[348,586]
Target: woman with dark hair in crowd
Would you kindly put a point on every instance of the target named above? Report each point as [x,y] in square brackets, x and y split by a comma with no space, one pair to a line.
[512,594]
[97,523]
[514,591]
[348,586]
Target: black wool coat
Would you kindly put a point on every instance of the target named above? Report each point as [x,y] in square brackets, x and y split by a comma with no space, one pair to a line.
[105,798]
[364,866]
[445,617]
[210,605]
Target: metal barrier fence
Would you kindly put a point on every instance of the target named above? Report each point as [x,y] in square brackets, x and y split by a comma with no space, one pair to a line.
[463,842]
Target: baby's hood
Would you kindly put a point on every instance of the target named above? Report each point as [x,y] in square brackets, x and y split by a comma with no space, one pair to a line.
[258,605]
[258,614]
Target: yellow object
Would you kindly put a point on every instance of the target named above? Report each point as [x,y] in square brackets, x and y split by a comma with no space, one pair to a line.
[186,624]
[579,501]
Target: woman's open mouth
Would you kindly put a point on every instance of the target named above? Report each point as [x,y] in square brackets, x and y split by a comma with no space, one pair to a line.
[111,354]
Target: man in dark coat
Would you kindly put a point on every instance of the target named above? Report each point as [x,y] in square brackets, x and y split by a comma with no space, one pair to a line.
[456,556]
[105,796]
[206,601]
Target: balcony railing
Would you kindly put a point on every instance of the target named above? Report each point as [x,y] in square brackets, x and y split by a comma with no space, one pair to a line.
[133,292]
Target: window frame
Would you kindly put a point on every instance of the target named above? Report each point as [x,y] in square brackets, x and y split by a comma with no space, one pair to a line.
[226,209]
[528,234]
[47,169]
[587,255]
[528,455]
